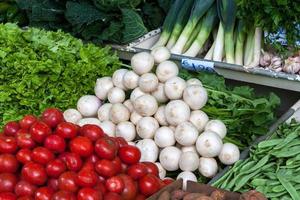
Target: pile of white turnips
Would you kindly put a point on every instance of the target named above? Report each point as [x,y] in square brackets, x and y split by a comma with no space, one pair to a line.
[162,116]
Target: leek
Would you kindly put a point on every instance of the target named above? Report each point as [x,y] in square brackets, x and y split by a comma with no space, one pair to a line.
[181,20]
[219,47]
[227,14]
[200,7]
[248,56]
[208,24]
[209,54]
[257,47]
[193,36]
[169,24]
[239,45]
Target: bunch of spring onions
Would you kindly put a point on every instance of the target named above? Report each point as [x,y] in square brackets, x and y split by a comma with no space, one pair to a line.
[210,29]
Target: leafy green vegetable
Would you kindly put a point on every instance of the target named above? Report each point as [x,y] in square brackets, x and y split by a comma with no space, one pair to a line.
[245,115]
[40,69]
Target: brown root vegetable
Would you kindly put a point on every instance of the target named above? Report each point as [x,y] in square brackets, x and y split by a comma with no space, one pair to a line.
[178,194]
[253,195]
[193,196]
[218,195]
[164,196]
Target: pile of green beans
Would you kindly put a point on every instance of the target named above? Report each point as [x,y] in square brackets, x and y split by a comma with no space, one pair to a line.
[273,167]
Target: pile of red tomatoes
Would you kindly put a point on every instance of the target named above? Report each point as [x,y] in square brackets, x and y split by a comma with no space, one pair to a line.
[47,158]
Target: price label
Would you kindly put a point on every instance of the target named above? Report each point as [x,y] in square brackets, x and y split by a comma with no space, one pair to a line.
[197,65]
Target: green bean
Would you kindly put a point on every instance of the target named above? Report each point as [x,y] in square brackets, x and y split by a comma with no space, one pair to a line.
[278,188]
[294,143]
[241,182]
[248,166]
[259,182]
[275,194]
[288,186]
[287,140]
[260,163]
[269,143]
[287,152]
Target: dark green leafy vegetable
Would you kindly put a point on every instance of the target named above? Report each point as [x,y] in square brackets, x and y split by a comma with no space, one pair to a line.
[41,69]
[245,115]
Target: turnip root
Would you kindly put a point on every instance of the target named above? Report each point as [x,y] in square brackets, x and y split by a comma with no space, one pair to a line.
[216,126]
[119,113]
[136,93]
[146,127]
[178,194]
[169,158]
[177,111]
[149,150]
[130,80]
[145,105]
[199,119]
[195,196]
[229,154]
[117,78]
[103,85]
[126,130]
[166,70]
[103,112]
[193,81]
[195,96]
[72,115]
[116,95]
[135,117]
[186,176]
[109,128]
[160,54]
[208,167]
[142,63]
[160,116]
[148,82]
[164,137]
[88,105]
[189,148]
[161,171]
[186,134]
[189,161]
[174,88]
[159,94]
[90,120]
[129,105]
[209,144]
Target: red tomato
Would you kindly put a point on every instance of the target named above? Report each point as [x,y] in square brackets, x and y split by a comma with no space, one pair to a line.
[89,194]
[63,195]
[66,130]
[53,184]
[130,189]
[25,198]
[121,141]
[7,196]
[87,178]
[117,164]
[137,171]
[55,143]
[88,166]
[11,128]
[24,156]
[67,181]
[101,179]
[106,148]
[100,187]
[8,163]
[73,161]
[112,196]
[92,158]
[39,131]
[43,193]
[52,117]
[140,197]
[55,168]
[34,173]
[82,146]
[8,144]
[105,168]
[124,167]
[168,181]
[151,168]
[129,154]
[42,155]
[25,140]
[91,131]
[8,182]
[27,121]
[24,188]
[149,185]
[115,184]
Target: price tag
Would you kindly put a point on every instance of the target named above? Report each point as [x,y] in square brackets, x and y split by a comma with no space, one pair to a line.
[197,65]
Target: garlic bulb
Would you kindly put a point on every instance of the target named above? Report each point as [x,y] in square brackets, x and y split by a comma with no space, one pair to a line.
[276,64]
[265,59]
[292,65]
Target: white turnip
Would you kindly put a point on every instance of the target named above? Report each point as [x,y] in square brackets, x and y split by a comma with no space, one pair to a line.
[109,128]
[199,119]
[129,105]
[177,111]
[148,82]
[186,176]
[216,126]
[103,85]
[103,112]
[88,105]
[229,154]
[169,158]
[174,88]
[189,161]
[159,94]
[135,117]
[72,115]
[195,96]
[116,95]
[117,78]
[160,116]
[166,70]
[209,144]
[137,92]
[161,171]
[193,81]
[126,130]
[130,80]
[119,113]
[88,120]
[146,127]
[164,137]
[142,63]
[145,105]
[149,150]
[160,54]
[208,167]
[186,134]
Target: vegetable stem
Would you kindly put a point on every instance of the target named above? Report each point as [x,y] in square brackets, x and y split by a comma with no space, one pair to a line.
[218,50]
